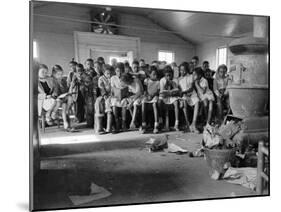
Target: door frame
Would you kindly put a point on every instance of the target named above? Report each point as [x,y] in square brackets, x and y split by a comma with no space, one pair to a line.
[85,41]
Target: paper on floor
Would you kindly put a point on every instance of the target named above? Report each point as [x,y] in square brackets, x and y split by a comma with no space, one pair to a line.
[173,148]
[246,177]
[97,192]
[157,143]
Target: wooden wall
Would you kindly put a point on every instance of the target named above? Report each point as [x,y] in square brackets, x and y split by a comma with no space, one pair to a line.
[56,43]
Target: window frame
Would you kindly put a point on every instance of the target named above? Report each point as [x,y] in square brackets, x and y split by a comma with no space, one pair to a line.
[217,55]
[167,51]
[35,49]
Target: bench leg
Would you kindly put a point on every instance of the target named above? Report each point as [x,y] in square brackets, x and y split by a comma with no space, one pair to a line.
[167,122]
[43,123]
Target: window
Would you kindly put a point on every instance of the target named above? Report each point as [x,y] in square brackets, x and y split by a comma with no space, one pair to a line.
[118,59]
[221,56]
[167,56]
[35,49]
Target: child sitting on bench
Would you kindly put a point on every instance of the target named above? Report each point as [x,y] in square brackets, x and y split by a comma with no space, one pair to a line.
[169,95]
[46,96]
[118,99]
[151,96]
[103,102]
[189,96]
[205,94]
[220,84]
[135,91]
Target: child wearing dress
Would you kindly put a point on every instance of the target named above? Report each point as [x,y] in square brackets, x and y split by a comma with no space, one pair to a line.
[169,94]
[103,102]
[220,84]
[117,99]
[135,89]
[189,95]
[204,92]
[63,98]
[176,73]
[46,96]
[151,96]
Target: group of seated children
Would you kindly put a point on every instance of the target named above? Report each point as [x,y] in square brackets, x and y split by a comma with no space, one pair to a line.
[104,95]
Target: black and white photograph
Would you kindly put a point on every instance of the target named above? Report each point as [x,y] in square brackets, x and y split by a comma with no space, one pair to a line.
[138,105]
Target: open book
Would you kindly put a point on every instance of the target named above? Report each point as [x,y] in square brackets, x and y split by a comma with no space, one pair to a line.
[120,93]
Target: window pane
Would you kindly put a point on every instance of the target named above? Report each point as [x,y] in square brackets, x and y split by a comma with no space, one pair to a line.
[35,49]
[222,56]
[166,56]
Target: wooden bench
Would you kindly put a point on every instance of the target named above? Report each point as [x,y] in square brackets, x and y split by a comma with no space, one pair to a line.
[262,177]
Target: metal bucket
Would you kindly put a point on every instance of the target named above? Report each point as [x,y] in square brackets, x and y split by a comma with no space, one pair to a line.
[217,158]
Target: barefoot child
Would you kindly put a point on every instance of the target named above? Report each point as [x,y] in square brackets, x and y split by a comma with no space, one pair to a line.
[151,96]
[118,100]
[220,84]
[103,102]
[63,97]
[169,94]
[135,91]
[189,96]
[204,93]
[208,74]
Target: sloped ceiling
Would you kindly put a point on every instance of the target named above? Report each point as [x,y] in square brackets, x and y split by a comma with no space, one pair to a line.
[194,27]
[197,27]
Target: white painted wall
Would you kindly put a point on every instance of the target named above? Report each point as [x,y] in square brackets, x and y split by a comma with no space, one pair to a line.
[149,51]
[152,42]
[56,42]
[55,48]
[207,50]
[55,37]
